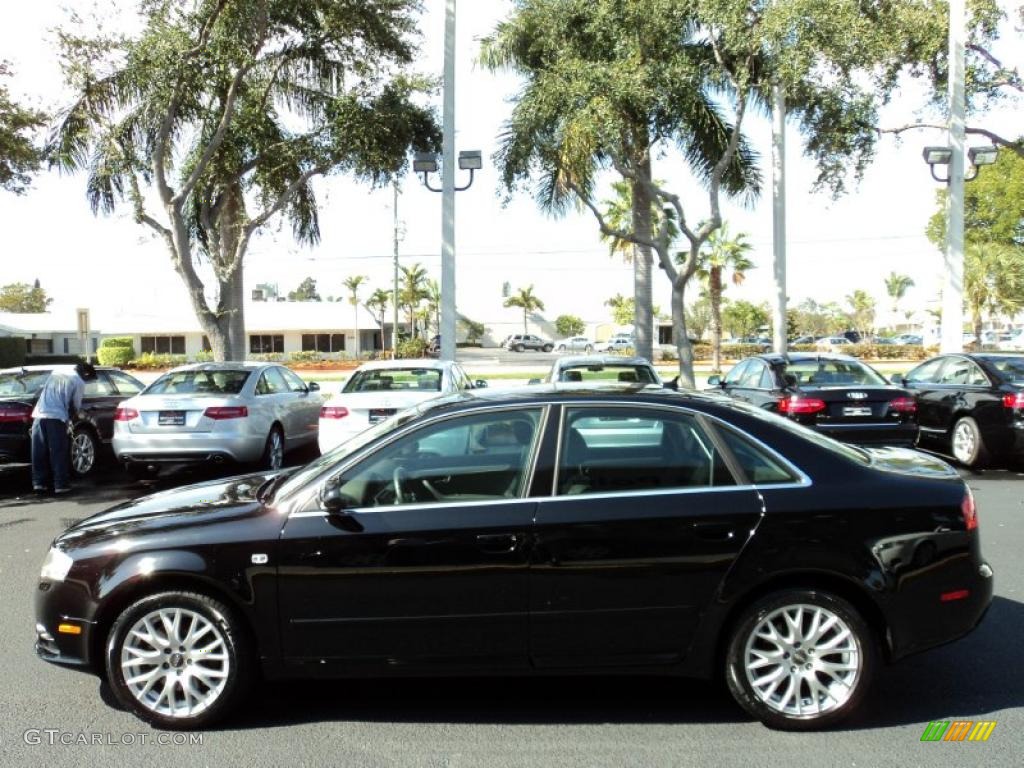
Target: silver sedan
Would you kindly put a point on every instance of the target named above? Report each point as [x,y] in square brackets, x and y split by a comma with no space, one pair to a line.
[216,412]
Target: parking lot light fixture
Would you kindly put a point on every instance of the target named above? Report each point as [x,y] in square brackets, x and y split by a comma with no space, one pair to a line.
[470,160]
[424,162]
[983,155]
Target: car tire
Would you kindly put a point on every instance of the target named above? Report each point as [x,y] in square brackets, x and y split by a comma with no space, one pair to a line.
[85,451]
[561,347]
[780,664]
[547,347]
[966,443]
[520,348]
[588,349]
[173,693]
[273,450]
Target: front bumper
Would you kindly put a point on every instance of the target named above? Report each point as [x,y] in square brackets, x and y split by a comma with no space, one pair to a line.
[187,448]
[58,603]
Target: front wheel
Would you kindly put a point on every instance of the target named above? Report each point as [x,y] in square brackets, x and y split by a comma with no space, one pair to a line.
[177,660]
[520,348]
[561,347]
[588,349]
[967,445]
[547,347]
[84,452]
[273,451]
[800,659]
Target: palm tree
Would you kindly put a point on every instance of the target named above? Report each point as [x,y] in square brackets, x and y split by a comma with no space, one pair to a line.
[378,303]
[412,291]
[993,281]
[525,300]
[723,252]
[352,284]
[862,311]
[433,297]
[897,286]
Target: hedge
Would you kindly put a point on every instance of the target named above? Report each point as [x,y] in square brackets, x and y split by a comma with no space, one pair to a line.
[149,361]
[117,351]
[12,351]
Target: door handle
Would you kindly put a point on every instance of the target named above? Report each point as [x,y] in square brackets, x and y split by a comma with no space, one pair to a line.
[499,543]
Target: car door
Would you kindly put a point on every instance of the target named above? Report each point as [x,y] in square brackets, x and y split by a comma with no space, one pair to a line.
[273,398]
[748,386]
[126,386]
[303,407]
[733,377]
[99,402]
[428,562]
[923,381]
[644,522]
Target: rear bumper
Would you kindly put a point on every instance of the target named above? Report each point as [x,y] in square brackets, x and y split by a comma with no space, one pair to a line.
[188,447]
[875,433]
[15,448]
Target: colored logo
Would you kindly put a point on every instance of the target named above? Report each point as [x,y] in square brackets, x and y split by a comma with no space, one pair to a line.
[958,730]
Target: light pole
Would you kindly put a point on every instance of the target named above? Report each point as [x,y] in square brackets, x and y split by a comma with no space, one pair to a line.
[779,324]
[394,295]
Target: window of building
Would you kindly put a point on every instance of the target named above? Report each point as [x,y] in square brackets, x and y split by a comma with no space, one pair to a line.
[323,342]
[163,345]
[266,344]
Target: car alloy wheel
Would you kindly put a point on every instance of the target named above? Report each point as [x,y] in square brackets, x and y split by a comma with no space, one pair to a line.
[966,443]
[175,659]
[83,452]
[800,659]
[273,452]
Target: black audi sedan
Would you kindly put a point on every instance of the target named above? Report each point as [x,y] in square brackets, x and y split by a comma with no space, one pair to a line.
[836,395]
[538,531]
[971,406]
[91,434]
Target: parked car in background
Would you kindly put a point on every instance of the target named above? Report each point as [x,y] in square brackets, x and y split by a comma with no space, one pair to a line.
[575,344]
[678,533]
[971,405]
[520,342]
[244,413]
[833,342]
[1011,342]
[836,395]
[601,369]
[909,339]
[378,390]
[615,344]
[803,340]
[90,435]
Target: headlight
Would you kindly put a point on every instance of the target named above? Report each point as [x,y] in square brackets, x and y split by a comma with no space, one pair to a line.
[56,565]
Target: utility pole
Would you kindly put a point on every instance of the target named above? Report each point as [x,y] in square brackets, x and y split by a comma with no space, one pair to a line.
[779,324]
[447,329]
[952,293]
[394,296]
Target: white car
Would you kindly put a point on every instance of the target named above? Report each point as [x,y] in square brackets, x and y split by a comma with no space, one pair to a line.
[575,344]
[614,344]
[831,342]
[1013,343]
[379,390]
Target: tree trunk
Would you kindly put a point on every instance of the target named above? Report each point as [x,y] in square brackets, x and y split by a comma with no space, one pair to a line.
[683,348]
[715,291]
[355,314]
[524,321]
[643,319]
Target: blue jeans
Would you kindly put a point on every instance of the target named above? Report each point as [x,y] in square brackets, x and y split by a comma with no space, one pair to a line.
[51,454]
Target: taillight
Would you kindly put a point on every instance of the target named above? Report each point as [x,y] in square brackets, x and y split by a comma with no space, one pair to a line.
[125,414]
[903,405]
[15,413]
[801,405]
[1014,400]
[333,412]
[226,412]
[969,510]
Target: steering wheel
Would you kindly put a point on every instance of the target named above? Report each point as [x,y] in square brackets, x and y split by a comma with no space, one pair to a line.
[397,478]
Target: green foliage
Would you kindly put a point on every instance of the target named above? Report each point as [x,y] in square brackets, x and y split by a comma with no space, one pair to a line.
[203,356]
[993,280]
[742,318]
[412,348]
[569,325]
[474,330]
[526,300]
[12,351]
[149,361]
[993,205]
[117,351]
[22,297]
[862,311]
[307,356]
[698,317]
[305,292]
[266,357]
[19,157]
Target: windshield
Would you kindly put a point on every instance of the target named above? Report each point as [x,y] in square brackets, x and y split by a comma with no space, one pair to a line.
[22,383]
[843,449]
[422,379]
[834,373]
[1012,368]
[206,382]
[642,374]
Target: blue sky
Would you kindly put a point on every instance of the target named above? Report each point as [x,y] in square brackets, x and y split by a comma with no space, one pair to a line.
[834,246]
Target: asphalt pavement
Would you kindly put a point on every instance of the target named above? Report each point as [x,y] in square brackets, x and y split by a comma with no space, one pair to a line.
[57,717]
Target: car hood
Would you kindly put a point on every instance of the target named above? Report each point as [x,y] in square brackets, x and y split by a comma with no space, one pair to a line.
[906,461]
[189,506]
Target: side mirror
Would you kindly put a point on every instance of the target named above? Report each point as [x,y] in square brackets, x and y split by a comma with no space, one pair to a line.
[898,379]
[673,385]
[715,381]
[480,384]
[335,502]
[313,386]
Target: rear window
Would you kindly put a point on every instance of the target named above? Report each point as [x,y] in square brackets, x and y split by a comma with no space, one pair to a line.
[203,382]
[1012,368]
[27,383]
[632,374]
[832,373]
[391,379]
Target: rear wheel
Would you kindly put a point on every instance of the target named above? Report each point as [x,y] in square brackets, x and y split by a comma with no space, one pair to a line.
[800,659]
[561,347]
[966,443]
[273,450]
[84,451]
[547,347]
[588,349]
[520,348]
[177,659]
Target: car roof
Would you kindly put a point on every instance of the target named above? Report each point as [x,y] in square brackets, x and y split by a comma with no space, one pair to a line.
[69,366]
[247,365]
[581,361]
[801,357]
[424,362]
